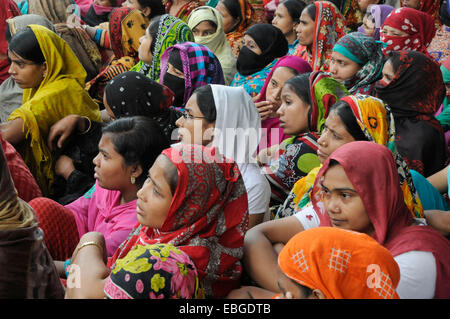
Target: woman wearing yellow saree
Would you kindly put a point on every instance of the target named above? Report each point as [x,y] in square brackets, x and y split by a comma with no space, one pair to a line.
[53,81]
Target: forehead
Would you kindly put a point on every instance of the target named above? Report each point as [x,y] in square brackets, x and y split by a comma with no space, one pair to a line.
[340,57]
[335,177]
[282,73]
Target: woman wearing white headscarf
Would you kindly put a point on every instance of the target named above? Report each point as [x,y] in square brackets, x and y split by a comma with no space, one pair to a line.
[231,113]
[202,22]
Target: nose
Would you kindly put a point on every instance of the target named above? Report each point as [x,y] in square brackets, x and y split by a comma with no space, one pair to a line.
[141,39]
[276,95]
[280,111]
[96,161]
[297,29]
[333,69]
[11,70]
[332,204]
[180,122]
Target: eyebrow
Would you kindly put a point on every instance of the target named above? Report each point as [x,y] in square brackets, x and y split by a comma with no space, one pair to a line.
[153,181]
[103,151]
[341,189]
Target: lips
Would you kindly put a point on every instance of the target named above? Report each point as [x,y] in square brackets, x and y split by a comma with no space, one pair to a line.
[321,154]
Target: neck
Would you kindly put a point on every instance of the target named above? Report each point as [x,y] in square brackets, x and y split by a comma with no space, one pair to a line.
[291,37]
[128,194]
[178,2]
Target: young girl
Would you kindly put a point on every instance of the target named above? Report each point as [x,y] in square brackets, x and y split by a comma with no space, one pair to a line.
[194,199]
[374,19]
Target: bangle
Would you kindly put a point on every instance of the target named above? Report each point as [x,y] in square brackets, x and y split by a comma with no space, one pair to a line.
[89,127]
[89,243]
[66,266]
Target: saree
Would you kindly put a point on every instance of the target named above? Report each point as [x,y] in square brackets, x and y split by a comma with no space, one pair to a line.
[336,262]
[209,225]
[60,93]
[217,42]
[382,198]
[249,18]
[300,66]
[377,123]
[171,31]
[27,268]
[366,52]
[417,24]
[200,66]
[329,27]
[413,102]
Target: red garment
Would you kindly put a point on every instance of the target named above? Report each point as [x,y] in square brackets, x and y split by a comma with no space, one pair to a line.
[59,227]
[377,183]
[418,25]
[24,182]
[207,219]
[8,9]
[432,7]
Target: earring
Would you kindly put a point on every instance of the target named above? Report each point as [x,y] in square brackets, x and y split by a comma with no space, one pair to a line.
[133,180]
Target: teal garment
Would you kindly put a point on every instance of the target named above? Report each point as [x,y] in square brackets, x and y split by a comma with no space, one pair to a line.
[444,116]
[212,3]
[429,196]
[292,47]
[23,6]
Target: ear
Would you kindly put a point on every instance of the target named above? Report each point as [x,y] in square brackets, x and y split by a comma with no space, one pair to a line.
[295,26]
[44,68]
[136,170]
[146,11]
[318,294]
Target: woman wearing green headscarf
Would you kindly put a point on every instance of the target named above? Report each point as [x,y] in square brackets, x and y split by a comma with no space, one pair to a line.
[207,26]
[163,32]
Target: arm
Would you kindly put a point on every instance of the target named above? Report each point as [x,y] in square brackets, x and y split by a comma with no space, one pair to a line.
[439,180]
[64,128]
[439,220]
[14,131]
[88,269]
[260,257]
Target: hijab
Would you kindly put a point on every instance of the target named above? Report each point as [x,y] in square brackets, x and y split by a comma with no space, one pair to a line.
[272,43]
[217,41]
[340,263]
[377,183]
[329,26]
[133,94]
[171,31]
[414,102]
[207,218]
[418,25]
[199,65]
[367,53]
[379,13]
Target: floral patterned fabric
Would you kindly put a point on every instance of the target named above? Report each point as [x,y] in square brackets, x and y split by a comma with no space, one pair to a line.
[158,271]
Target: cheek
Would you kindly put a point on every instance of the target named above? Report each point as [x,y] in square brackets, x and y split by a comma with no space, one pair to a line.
[357,215]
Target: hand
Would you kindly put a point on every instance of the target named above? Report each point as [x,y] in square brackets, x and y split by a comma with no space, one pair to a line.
[265,109]
[61,130]
[64,166]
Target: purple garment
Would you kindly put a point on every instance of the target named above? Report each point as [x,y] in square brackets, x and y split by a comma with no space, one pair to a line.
[379,12]
[300,66]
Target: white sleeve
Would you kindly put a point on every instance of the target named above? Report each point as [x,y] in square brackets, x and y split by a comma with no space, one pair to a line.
[417,275]
[308,217]
[258,192]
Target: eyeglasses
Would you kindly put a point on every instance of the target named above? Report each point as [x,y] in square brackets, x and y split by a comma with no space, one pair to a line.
[189,116]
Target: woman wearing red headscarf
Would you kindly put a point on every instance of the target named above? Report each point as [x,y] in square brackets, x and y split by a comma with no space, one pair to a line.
[8,9]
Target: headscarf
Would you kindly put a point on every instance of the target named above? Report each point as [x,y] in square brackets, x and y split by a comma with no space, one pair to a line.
[126,27]
[60,93]
[418,25]
[340,263]
[14,212]
[432,7]
[249,18]
[272,43]
[171,31]
[154,272]
[352,14]
[377,183]
[379,13]
[325,91]
[207,218]
[217,42]
[133,94]
[8,9]
[329,26]
[56,11]
[444,117]
[367,53]
[200,66]
[292,62]
[413,101]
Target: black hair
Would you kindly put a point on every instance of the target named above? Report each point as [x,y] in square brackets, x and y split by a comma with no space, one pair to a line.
[205,102]
[310,9]
[175,59]
[294,8]
[333,162]
[8,34]
[234,9]
[394,57]
[153,31]
[156,7]
[171,176]
[139,140]
[25,44]
[345,113]
[300,85]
